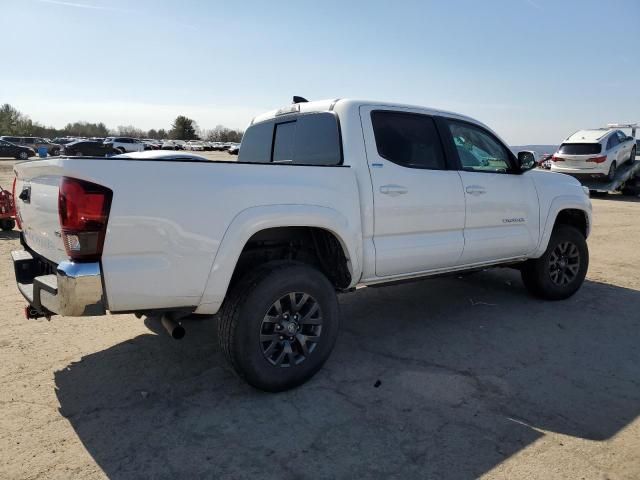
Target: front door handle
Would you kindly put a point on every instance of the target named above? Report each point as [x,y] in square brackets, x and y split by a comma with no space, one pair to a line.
[393,190]
[475,190]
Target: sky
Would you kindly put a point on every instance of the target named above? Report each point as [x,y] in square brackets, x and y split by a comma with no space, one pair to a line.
[533,70]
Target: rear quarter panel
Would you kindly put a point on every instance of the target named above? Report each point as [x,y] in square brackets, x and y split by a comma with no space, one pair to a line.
[168,219]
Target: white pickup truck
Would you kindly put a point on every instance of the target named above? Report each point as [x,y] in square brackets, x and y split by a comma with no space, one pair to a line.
[324,196]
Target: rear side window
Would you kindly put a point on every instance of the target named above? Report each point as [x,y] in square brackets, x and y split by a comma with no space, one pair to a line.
[408,139]
[309,139]
[580,148]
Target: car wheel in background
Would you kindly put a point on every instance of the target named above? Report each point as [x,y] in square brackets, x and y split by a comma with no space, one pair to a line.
[7,224]
[55,152]
[632,158]
[612,171]
[79,154]
[279,325]
[561,270]
[22,156]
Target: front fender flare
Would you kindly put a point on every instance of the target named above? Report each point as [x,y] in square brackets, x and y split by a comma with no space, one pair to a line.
[562,202]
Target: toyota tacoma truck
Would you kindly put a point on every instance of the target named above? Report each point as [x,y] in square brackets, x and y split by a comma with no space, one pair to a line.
[324,196]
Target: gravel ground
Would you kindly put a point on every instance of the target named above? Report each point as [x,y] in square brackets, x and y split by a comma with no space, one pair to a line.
[445,378]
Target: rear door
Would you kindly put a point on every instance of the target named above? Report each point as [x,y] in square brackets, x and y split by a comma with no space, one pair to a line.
[502,218]
[625,147]
[418,202]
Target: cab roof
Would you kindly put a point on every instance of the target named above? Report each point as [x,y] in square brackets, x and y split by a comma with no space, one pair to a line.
[346,103]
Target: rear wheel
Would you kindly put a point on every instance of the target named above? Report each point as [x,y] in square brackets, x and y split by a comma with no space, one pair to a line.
[632,157]
[612,171]
[279,325]
[23,155]
[561,270]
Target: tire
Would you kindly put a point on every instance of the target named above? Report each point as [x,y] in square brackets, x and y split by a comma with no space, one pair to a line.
[23,156]
[612,171]
[632,157]
[79,154]
[7,224]
[253,335]
[55,152]
[121,151]
[544,276]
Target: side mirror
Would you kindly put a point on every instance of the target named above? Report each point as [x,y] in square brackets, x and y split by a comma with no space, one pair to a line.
[526,160]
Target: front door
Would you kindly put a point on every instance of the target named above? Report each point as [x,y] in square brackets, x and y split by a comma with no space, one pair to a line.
[502,208]
[418,203]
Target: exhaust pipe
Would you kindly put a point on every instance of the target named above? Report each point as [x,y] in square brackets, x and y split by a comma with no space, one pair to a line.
[174,329]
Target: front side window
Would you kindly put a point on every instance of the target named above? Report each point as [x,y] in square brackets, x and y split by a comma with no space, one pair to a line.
[478,150]
[408,139]
[612,142]
[621,136]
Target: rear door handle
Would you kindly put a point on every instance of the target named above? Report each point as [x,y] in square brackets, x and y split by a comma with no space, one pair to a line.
[475,190]
[393,190]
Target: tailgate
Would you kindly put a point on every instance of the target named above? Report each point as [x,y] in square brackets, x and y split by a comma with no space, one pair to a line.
[37,207]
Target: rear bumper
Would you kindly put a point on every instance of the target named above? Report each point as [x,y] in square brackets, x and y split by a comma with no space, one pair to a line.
[74,290]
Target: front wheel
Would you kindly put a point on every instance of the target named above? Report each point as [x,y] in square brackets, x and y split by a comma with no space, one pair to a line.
[279,325]
[561,270]
[23,156]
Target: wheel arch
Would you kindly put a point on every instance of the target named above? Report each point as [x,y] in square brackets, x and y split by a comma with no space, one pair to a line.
[567,210]
[276,221]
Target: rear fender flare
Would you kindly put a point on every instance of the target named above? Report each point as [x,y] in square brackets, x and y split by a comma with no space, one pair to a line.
[255,219]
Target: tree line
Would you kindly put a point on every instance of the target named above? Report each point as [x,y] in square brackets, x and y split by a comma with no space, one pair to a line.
[13,122]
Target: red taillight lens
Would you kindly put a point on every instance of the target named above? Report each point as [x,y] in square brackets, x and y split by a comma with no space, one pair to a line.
[83,208]
[557,159]
[600,159]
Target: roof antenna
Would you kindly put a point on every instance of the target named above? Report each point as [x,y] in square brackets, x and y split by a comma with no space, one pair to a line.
[297,99]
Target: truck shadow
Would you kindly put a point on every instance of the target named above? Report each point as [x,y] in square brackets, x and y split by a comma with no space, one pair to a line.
[9,235]
[441,378]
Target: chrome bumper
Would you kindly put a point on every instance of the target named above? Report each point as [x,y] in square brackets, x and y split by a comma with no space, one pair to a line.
[74,290]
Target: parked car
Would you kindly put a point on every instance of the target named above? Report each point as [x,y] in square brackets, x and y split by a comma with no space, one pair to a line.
[34,143]
[234,149]
[125,144]
[326,196]
[88,148]
[179,144]
[8,149]
[63,140]
[545,161]
[194,145]
[168,145]
[594,153]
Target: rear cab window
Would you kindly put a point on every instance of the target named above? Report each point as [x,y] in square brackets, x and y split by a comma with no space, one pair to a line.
[302,139]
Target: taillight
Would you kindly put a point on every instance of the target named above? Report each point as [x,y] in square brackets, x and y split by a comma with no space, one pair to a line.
[15,201]
[83,208]
[600,159]
[555,158]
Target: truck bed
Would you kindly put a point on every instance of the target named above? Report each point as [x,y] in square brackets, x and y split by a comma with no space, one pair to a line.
[169,218]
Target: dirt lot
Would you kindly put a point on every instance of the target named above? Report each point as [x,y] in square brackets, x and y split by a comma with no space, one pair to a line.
[476,378]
